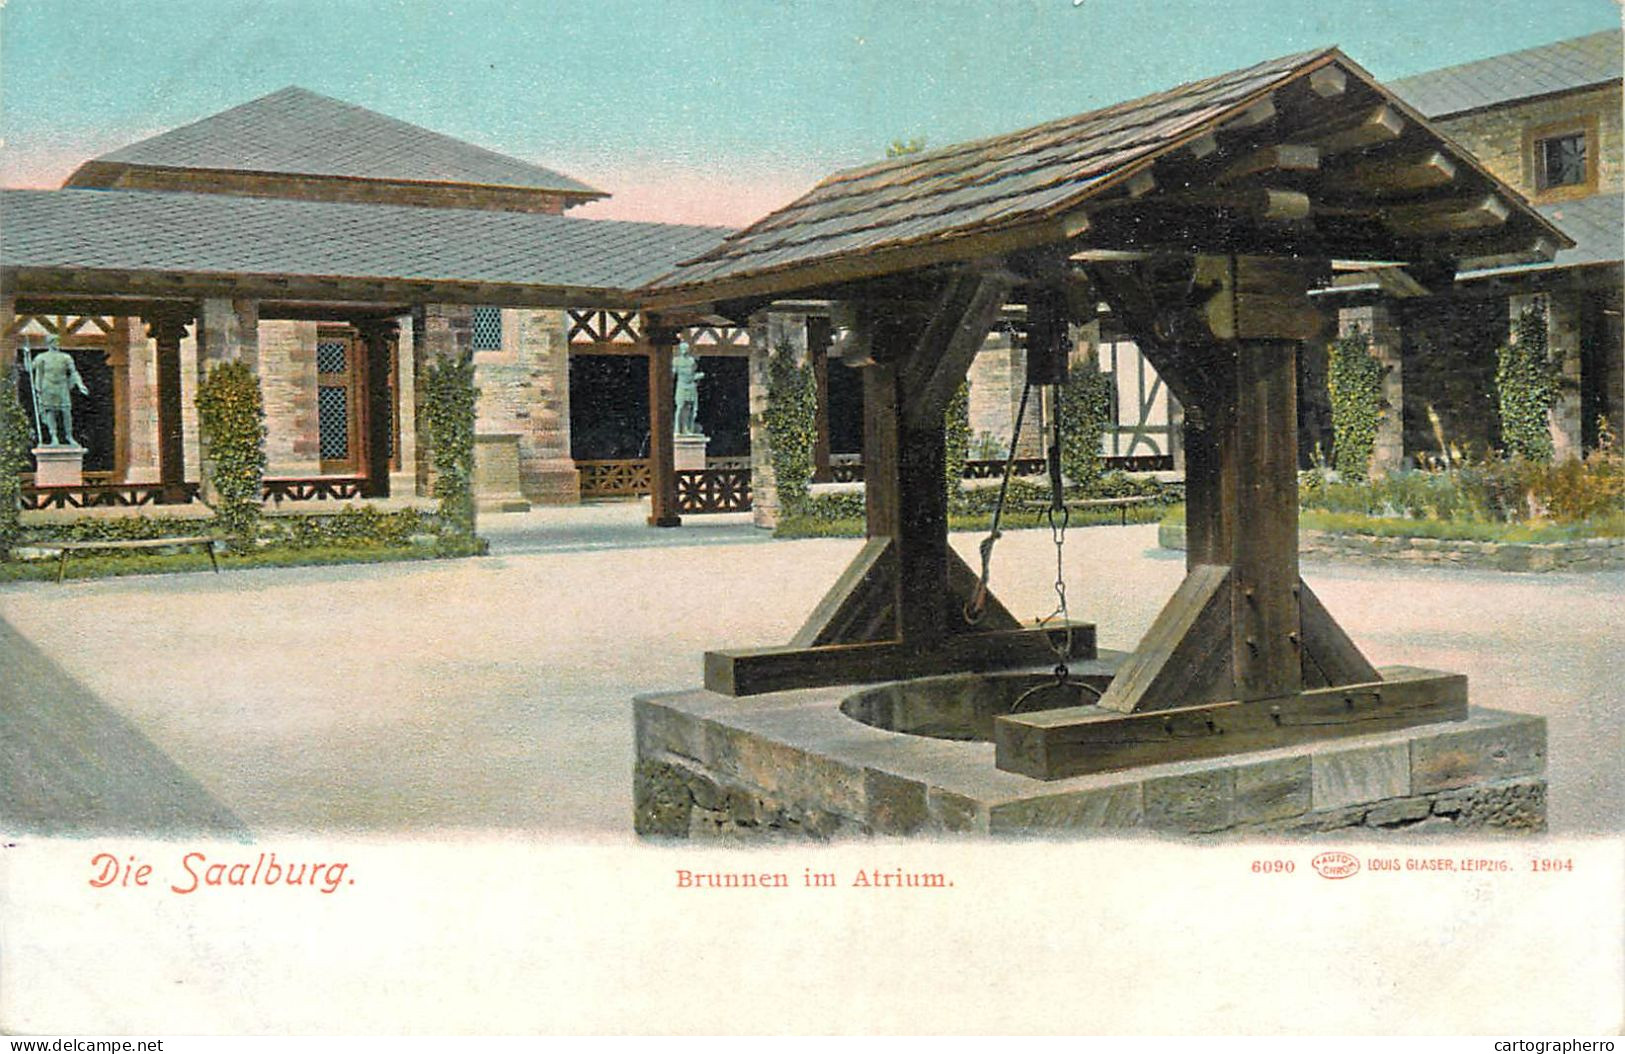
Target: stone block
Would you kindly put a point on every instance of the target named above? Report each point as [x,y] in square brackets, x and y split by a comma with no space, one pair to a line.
[895,805]
[1191,803]
[1273,790]
[1102,808]
[1508,747]
[1399,811]
[659,729]
[954,813]
[1518,805]
[1364,774]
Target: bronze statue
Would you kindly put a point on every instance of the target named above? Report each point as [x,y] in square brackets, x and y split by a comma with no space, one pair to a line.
[54,377]
[686,368]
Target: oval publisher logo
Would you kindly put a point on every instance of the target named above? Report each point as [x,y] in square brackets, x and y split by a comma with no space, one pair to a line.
[1335,864]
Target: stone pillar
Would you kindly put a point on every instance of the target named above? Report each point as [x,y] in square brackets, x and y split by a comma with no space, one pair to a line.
[228,331]
[141,402]
[403,475]
[378,344]
[662,425]
[287,371]
[767,332]
[547,472]
[167,328]
[993,378]
[1381,325]
[820,332]
[1563,312]
[437,330]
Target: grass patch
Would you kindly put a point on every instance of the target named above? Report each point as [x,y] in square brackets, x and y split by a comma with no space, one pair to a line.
[113,565]
[1535,532]
[1013,520]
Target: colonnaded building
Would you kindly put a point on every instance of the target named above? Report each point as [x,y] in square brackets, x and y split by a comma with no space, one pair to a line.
[338,251]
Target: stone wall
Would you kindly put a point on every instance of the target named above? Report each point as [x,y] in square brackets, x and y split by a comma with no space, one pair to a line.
[768,332]
[1497,136]
[1585,554]
[141,401]
[524,392]
[287,369]
[1380,325]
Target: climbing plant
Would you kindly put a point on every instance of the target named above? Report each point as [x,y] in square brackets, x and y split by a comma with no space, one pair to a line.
[1085,414]
[15,439]
[450,396]
[231,418]
[956,434]
[792,421]
[1526,387]
[1354,381]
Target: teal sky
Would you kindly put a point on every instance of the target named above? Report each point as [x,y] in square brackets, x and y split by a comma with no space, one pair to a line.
[743,99]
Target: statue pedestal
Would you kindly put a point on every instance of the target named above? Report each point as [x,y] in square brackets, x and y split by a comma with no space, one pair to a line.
[59,466]
[688,451]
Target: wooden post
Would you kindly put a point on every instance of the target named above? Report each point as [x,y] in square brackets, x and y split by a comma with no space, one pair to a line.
[378,344]
[662,467]
[166,330]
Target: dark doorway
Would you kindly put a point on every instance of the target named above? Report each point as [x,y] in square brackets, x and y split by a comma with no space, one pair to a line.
[609,407]
[725,405]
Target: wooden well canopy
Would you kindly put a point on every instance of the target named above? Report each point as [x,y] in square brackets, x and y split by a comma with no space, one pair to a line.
[1202,216]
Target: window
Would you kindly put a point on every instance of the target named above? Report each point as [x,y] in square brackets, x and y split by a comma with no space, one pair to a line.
[487,329]
[1560,161]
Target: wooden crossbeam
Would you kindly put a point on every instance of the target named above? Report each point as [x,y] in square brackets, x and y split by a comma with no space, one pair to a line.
[1184,657]
[1261,112]
[955,333]
[1055,744]
[1383,124]
[858,606]
[1328,82]
[1394,175]
[1329,656]
[1470,214]
[1282,157]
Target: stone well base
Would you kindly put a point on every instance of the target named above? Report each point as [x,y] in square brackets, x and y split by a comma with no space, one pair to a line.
[790,764]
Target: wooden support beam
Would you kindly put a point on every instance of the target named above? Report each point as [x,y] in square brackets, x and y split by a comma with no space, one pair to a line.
[1055,744]
[1261,204]
[753,671]
[1469,214]
[1185,657]
[958,327]
[378,348]
[1282,157]
[962,583]
[166,328]
[1141,184]
[1383,124]
[1329,656]
[1539,251]
[1394,175]
[662,338]
[1261,112]
[1203,145]
[859,605]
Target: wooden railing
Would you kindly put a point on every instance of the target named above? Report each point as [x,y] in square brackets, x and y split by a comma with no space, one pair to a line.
[614,478]
[102,495]
[713,490]
[849,470]
[311,488]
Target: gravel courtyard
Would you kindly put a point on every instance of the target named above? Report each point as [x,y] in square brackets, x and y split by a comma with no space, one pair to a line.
[493,694]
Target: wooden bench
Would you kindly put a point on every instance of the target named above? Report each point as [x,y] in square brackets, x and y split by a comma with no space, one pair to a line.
[64,548]
[1121,504]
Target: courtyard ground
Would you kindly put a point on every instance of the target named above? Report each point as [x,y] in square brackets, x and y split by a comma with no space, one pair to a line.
[493,694]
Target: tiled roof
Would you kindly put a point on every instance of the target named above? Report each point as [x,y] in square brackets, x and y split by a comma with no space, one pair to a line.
[1597,225]
[987,182]
[151,231]
[1039,186]
[1563,66]
[294,131]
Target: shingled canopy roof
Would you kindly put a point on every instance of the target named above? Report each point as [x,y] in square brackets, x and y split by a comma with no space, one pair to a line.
[1304,155]
[298,132]
[114,242]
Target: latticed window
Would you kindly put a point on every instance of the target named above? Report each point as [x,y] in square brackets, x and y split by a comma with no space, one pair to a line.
[487,329]
[1561,161]
[331,355]
[333,422]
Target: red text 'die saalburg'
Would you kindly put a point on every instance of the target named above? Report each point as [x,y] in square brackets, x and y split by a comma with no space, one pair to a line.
[197,873]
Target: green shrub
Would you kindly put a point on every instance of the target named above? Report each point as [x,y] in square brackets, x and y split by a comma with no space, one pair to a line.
[231,418]
[956,440]
[1085,406]
[1354,382]
[15,439]
[1526,387]
[792,423]
[450,398]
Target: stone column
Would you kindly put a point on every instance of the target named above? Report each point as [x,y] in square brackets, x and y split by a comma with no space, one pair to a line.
[141,402]
[167,328]
[819,334]
[1381,325]
[403,476]
[547,472]
[1563,312]
[437,330]
[228,331]
[378,344]
[287,371]
[768,332]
